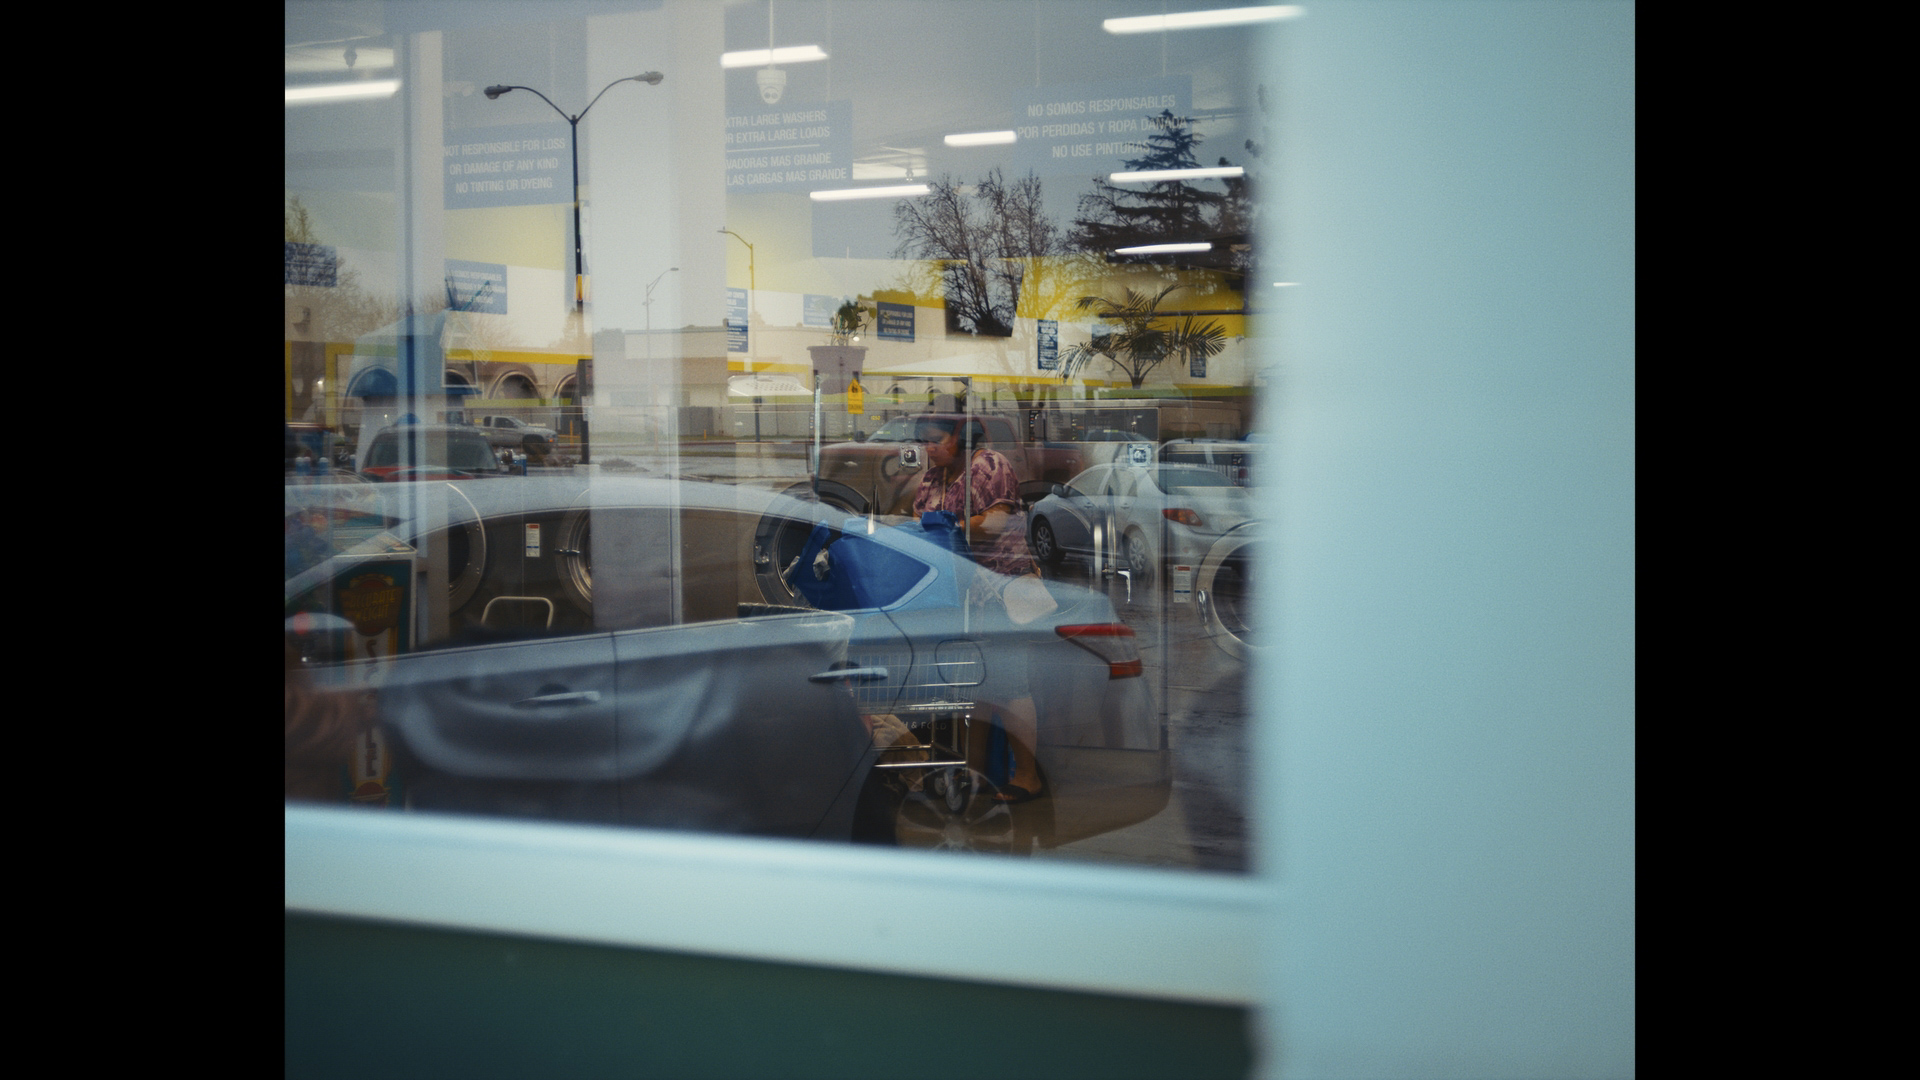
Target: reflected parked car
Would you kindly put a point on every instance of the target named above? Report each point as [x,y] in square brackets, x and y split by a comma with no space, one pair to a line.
[1112,435]
[430,452]
[686,655]
[1137,518]
[512,433]
[1192,520]
[1231,458]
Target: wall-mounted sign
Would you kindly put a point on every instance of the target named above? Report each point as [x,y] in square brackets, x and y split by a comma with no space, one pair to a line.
[794,147]
[817,310]
[736,320]
[1090,128]
[312,264]
[1048,331]
[476,286]
[1197,366]
[893,322]
[509,165]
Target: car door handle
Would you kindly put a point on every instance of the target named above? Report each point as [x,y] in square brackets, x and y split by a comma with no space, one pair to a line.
[576,697]
[854,674]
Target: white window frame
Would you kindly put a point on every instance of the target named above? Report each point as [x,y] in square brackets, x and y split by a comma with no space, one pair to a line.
[1055,924]
[1444,851]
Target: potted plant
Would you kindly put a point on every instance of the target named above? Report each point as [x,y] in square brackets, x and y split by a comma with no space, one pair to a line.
[840,362]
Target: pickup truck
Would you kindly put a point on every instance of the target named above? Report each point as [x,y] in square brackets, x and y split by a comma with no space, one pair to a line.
[874,474]
[511,432]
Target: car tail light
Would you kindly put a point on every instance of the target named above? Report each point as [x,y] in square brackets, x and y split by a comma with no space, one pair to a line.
[1183,515]
[1112,642]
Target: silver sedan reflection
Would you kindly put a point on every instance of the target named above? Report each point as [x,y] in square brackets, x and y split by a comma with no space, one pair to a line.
[685,655]
[1139,518]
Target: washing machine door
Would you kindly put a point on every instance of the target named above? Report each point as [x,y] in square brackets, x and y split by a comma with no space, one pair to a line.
[1225,592]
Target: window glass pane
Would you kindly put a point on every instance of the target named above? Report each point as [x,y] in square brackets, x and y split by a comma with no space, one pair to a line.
[633,375]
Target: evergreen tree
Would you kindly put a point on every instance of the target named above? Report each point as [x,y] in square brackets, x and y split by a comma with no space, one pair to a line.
[1239,218]
[1114,216]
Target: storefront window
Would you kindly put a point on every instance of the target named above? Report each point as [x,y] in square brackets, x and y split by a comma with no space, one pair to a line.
[635,356]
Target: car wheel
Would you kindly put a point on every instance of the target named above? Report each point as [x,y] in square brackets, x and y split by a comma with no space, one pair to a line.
[1139,561]
[1226,593]
[951,810]
[1046,546]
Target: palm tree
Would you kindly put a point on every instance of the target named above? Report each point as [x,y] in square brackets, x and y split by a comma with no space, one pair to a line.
[1139,341]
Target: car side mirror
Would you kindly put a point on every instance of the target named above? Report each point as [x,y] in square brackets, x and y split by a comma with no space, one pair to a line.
[1064,492]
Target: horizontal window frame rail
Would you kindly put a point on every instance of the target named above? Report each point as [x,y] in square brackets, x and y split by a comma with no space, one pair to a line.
[1175,935]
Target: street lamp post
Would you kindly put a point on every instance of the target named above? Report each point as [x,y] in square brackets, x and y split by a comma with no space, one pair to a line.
[651,78]
[753,363]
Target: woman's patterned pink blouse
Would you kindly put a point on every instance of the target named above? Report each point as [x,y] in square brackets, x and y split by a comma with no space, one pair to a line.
[994,484]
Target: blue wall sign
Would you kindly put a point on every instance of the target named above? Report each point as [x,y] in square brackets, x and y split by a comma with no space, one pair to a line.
[1048,331]
[736,320]
[312,264]
[894,322]
[817,310]
[477,286]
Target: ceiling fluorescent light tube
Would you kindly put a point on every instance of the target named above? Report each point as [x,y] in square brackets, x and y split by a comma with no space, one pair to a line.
[982,138]
[371,88]
[786,54]
[1156,175]
[1158,249]
[1201,20]
[903,191]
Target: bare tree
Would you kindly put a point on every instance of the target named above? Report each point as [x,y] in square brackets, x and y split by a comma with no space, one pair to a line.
[344,310]
[986,243]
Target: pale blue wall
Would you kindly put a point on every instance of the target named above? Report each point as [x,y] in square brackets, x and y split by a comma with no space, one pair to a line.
[1448,743]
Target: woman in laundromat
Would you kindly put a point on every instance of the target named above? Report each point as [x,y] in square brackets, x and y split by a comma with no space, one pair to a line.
[997,533]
